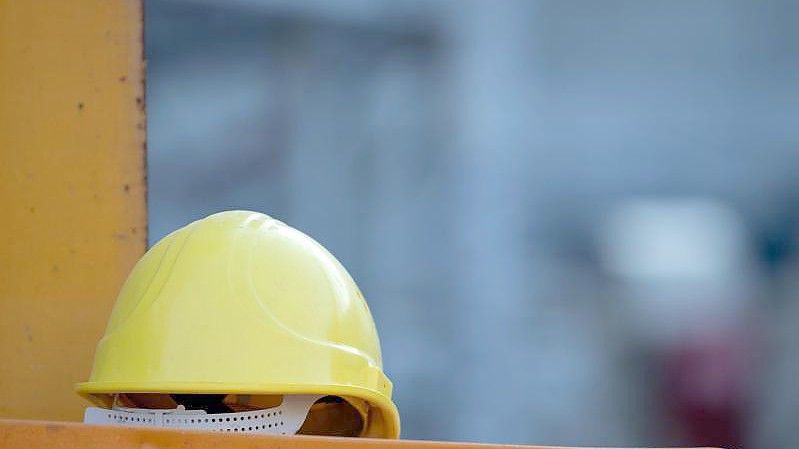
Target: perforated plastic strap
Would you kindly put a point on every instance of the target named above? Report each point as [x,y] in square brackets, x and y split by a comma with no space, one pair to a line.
[285,419]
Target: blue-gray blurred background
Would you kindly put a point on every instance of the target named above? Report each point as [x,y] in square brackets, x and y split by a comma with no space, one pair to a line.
[575,222]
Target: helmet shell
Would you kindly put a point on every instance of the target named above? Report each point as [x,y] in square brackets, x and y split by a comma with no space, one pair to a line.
[239,302]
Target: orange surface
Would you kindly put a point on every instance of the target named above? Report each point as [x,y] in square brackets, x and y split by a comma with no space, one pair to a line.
[58,435]
[72,190]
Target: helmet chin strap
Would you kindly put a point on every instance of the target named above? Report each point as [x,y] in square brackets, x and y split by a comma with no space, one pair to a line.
[285,419]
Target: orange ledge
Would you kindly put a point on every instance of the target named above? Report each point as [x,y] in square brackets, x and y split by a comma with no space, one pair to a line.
[16,434]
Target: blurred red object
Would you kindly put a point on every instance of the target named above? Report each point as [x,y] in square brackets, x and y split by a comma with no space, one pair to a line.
[707,387]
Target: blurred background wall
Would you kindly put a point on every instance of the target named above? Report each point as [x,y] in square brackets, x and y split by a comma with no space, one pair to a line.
[574,221]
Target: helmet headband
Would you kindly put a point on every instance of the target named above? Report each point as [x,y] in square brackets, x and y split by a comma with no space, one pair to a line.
[285,419]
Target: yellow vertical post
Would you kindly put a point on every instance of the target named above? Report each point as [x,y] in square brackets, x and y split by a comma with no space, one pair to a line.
[72,190]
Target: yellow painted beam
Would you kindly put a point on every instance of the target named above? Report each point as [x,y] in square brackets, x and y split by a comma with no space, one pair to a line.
[56,435]
[72,190]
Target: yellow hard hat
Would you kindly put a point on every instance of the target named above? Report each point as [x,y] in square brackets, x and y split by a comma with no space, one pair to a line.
[239,303]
